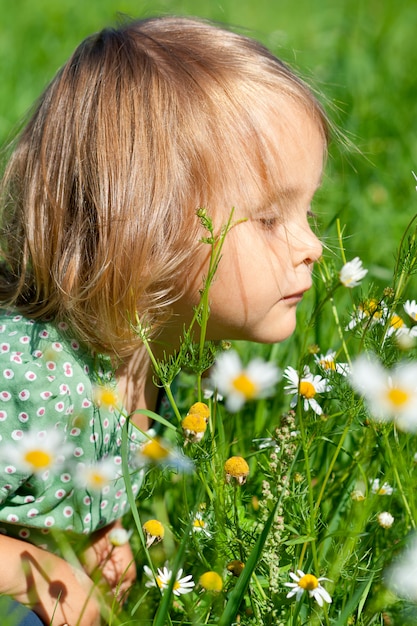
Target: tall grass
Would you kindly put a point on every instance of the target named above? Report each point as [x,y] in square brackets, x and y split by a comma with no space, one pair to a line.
[309,501]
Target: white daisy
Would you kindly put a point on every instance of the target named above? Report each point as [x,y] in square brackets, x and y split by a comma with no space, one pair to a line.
[329,364]
[209,390]
[405,338]
[396,325]
[157,451]
[238,384]
[306,387]
[163,578]
[200,525]
[264,443]
[119,536]
[401,576]
[311,584]
[410,307]
[352,273]
[369,312]
[385,519]
[381,490]
[389,394]
[96,476]
[36,452]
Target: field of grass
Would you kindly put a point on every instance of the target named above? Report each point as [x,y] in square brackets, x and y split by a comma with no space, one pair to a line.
[317,485]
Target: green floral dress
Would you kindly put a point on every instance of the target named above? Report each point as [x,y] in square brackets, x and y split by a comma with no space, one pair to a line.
[48,391]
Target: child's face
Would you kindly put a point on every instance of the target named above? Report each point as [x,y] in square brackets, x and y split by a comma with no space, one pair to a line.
[266,262]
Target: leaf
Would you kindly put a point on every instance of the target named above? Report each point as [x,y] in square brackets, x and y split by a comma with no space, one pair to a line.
[236,596]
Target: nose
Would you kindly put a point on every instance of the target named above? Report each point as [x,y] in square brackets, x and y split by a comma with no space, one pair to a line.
[314,248]
[306,248]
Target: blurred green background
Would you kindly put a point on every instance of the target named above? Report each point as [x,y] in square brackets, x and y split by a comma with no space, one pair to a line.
[361,56]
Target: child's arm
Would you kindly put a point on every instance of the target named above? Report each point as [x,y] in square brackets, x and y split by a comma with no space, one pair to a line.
[116,563]
[47,584]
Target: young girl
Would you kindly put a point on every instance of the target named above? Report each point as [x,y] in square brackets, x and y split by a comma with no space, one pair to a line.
[144,125]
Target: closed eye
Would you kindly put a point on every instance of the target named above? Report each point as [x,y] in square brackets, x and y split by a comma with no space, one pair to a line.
[268,223]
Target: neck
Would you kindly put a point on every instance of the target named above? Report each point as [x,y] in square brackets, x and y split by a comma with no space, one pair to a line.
[136,376]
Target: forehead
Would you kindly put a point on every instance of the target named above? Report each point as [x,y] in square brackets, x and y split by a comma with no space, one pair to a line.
[283,161]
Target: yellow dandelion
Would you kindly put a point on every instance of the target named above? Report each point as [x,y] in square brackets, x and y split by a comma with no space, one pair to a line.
[154,450]
[236,468]
[211,581]
[200,408]
[235,567]
[194,426]
[154,532]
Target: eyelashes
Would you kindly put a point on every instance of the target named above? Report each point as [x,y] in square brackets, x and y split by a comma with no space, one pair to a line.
[270,223]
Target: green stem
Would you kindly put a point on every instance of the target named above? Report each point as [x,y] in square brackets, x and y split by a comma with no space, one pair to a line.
[312,516]
[398,480]
[331,465]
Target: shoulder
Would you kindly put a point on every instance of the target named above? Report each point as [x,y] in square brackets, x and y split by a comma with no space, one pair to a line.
[42,362]
[48,344]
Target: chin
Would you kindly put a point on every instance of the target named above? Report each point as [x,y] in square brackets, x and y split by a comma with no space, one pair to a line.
[265,332]
[269,337]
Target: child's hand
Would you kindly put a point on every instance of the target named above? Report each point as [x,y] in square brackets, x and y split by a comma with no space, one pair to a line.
[115,562]
[55,591]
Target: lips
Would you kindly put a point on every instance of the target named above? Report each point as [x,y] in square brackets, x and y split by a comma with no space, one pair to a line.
[293,297]
[297,295]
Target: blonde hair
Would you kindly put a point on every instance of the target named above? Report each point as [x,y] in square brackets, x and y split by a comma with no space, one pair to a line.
[143,125]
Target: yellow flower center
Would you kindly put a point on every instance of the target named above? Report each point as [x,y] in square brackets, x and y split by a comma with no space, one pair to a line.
[211,581]
[397,397]
[199,523]
[159,582]
[308,582]
[176,586]
[154,528]
[235,567]
[244,385]
[105,396]
[195,422]
[97,480]
[371,307]
[396,321]
[236,466]
[328,364]
[307,389]
[154,450]
[38,459]
[200,408]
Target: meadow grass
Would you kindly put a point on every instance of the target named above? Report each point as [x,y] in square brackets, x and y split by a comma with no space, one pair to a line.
[318,480]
